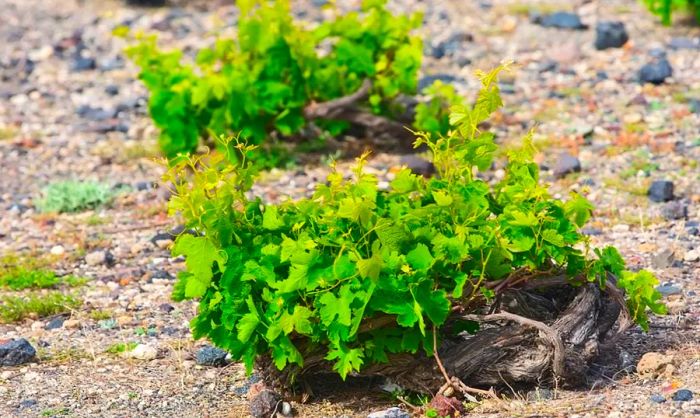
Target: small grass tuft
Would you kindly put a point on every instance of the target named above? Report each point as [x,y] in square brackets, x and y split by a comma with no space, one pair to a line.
[36,304]
[30,273]
[100,315]
[119,348]
[74,196]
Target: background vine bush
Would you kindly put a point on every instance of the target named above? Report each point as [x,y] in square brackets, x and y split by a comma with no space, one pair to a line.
[260,81]
[664,8]
[285,280]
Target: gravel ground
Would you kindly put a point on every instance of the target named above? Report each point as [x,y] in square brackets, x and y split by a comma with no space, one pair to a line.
[70,108]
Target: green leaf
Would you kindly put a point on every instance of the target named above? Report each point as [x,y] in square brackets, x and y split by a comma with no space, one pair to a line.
[420,258]
[246,326]
[552,237]
[578,209]
[347,359]
[336,308]
[433,302]
[370,267]
[404,182]
[297,321]
[442,198]
[200,255]
[271,219]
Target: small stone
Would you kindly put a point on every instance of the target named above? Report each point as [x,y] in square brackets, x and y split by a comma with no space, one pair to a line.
[626,361]
[55,323]
[653,364]
[146,3]
[668,289]
[392,412]
[684,43]
[71,324]
[112,89]
[166,307]
[211,356]
[83,64]
[674,211]
[264,404]
[27,403]
[16,352]
[656,398]
[566,164]
[561,20]
[286,409]
[57,250]
[143,352]
[692,255]
[683,395]
[656,71]
[661,191]
[610,35]
[96,258]
[453,44]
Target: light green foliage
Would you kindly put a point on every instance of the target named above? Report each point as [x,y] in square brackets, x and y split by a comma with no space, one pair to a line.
[119,348]
[18,274]
[261,80]
[16,308]
[74,196]
[433,115]
[664,8]
[318,273]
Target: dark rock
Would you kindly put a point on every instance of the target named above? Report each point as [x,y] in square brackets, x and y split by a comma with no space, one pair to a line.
[601,75]
[683,395]
[539,394]
[393,412]
[94,113]
[566,164]
[146,3]
[428,80]
[83,64]
[588,230]
[561,20]
[166,307]
[264,404]
[674,211]
[684,43]
[656,71]
[506,88]
[112,89]
[661,191]
[16,352]
[610,35]
[668,289]
[211,356]
[447,407]
[656,398]
[453,44]
[162,236]
[27,403]
[693,230]
[319,3]
[663,259]
[144,185]
[418,165]
[110,126]
[111,64]
[55,323]
[161,274]
[547,66]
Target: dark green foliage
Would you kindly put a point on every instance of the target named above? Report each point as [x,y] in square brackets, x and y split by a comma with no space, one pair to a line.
[289,279]
[664,8]
[259,82]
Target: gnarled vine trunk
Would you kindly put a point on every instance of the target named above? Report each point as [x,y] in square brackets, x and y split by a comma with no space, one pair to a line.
[545,333]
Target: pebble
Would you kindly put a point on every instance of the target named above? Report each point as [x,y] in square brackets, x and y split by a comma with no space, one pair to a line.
[83,64]
[656,398]
[143,352]
[16,352]
[211,356]
[668,289]
[57,250]
[683,395]
[566,164]
[72,324]
[418,165]
[55,323]
[656,71]
[661,191]
[663,259]
[264,404]
[286,409]
[653,364]
[610,35]
[692,255]
[674,211]
[96,258]
[561,20]
[392,412]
